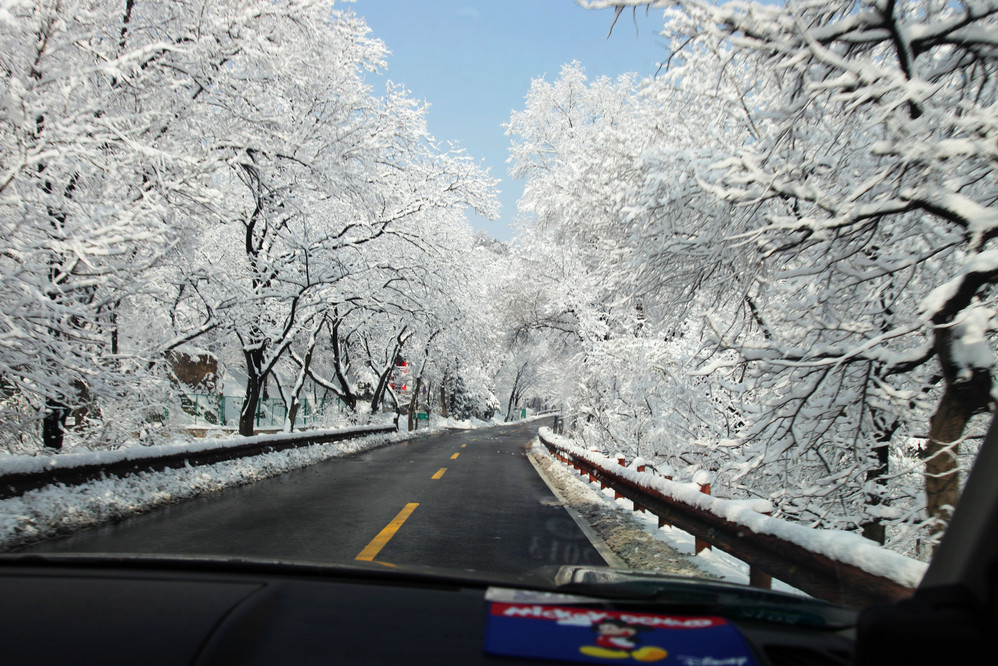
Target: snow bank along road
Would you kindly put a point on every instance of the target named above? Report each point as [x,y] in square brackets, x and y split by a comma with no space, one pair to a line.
[463,499]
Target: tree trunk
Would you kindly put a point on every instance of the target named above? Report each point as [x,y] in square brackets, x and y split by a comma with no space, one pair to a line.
[386,373]
[876,476]
[247,415]
[340,364]
[514,399]
[379,391]
[54,424]
[254,387]
[289,424]
[874,529]
[292,402]
[413,421]
[942,478]
[515,392]
[962,398]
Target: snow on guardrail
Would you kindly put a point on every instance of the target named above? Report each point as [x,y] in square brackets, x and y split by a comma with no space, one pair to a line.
[28,464]
[19,474]
[845,547]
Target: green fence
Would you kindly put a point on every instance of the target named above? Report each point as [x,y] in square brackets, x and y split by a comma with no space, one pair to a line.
[205,409]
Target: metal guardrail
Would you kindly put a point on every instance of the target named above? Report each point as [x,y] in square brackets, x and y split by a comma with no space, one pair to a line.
[811,572]
[15,484]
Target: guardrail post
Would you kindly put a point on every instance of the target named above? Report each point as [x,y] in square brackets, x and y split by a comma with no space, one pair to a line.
[699,544]
[623,463]
[760,579]
[662,522]
[638,507]
[757,577]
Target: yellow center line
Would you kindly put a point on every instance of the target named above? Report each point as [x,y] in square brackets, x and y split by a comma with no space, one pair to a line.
[372,549]
[454,457]
[440,472]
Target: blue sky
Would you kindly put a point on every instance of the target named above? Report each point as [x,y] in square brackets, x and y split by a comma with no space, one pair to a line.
[473,61]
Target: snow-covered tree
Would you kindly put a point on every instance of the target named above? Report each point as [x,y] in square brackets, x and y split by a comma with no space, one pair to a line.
[207,173]
[94,192]
[837,239]
[872,189]
[786,237]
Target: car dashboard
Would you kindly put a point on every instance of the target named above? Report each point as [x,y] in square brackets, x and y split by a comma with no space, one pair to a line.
[83,610]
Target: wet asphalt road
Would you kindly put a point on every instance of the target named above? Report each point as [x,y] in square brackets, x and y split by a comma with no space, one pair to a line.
[488,511]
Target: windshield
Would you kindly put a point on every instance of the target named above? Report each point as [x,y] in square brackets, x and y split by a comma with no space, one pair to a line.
[698,290]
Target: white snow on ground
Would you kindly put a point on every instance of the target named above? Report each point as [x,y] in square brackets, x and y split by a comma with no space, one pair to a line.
[630,541]
[840,546]
[672,550]
[55,511]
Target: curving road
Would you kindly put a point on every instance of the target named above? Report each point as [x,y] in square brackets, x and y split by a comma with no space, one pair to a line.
[462,499]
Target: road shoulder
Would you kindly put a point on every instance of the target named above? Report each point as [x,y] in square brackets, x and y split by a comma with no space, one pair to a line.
[622,541]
